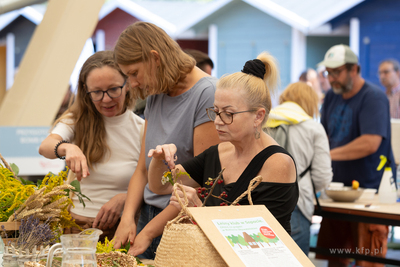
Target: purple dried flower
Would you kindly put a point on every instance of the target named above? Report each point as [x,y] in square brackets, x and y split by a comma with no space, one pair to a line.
[34,233]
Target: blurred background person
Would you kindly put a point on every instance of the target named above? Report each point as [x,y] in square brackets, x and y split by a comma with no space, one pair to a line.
[203,61]
[356,118]
[310,77]
[307,142]
[323,79]
[389,76]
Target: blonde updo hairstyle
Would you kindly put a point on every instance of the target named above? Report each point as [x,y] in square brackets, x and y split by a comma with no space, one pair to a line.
[303,95]
[136,43]
[256,91]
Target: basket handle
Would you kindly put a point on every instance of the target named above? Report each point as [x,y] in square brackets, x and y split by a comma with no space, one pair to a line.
[184,211]
[252,185]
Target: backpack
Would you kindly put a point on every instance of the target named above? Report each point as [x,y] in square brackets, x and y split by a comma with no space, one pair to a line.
[281,136]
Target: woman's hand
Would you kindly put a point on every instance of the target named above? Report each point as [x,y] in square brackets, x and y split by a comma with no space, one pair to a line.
[126,232]
[76,160]
[191,194]
[110,212]
[141,243]
[164,152]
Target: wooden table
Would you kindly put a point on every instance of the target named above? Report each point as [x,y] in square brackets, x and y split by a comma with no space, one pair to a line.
[366,211]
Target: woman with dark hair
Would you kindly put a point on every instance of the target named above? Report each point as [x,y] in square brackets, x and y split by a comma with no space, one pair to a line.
[178,94]
[100,139]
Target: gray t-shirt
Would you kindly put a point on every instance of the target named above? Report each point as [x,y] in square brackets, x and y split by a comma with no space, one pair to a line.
[172,120]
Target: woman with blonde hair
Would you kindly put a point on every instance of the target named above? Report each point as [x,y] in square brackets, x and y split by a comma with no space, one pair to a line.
[308,143]
[178,94]
[242,104]
[100,139]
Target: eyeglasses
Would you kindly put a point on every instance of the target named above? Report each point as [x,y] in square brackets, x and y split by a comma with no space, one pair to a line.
[226,117]
[112,93]
[384,72]
[336,72]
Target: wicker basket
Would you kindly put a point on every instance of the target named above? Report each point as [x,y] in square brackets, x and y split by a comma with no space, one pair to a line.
[183,243]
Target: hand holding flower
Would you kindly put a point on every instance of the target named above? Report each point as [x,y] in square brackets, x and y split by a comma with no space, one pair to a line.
[164,152]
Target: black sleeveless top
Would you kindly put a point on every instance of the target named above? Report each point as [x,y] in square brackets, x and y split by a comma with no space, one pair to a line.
[279,198]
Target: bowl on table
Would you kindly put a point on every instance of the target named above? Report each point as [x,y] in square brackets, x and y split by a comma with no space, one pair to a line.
[344,194]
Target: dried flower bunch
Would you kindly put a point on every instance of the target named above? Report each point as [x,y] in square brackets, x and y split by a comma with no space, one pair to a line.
[46,200]
[44,206]
[12,193]
[33,233]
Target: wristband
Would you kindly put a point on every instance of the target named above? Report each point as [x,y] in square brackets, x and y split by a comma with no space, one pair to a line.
[55,149]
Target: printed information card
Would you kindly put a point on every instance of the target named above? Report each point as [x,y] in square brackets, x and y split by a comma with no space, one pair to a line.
[256,244]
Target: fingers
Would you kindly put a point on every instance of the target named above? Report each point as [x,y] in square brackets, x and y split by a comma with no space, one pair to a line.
[103,222]
[111,220]
[142,242]
[76,161]
[166,152]
[191,195]
[130,251]
[85,169]
[126,232]
[137,250]
[132,236]
[118,241]
[97,219]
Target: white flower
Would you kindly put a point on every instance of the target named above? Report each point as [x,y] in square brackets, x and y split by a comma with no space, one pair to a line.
[164,179]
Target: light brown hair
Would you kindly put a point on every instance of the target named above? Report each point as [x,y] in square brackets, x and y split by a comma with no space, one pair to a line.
[90,132]
[303,95]
[136,43]
[257,92]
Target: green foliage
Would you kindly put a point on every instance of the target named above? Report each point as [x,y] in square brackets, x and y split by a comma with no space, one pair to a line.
[77,192]
[14,168]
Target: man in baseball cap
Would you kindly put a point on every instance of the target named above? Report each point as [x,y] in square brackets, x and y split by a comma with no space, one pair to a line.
[337,59]
[356,118]
[339,55]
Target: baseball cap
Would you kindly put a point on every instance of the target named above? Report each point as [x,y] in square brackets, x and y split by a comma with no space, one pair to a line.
[338,55]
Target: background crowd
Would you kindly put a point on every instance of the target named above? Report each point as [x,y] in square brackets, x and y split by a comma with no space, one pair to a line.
[336,126]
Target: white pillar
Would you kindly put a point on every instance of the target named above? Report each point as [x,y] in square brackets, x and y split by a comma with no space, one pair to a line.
[213,47]
[298,59]
[355,35]
[100,40]
[10,60]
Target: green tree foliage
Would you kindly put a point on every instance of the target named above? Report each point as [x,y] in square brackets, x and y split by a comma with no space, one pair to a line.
[242,241]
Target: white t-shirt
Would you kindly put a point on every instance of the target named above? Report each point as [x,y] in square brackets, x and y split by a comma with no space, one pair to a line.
[111,177]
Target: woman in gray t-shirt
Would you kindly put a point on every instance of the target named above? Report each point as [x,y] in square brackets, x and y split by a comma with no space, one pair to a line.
[178,94]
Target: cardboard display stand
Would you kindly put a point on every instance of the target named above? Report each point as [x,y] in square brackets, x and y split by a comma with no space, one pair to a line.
[246,218]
